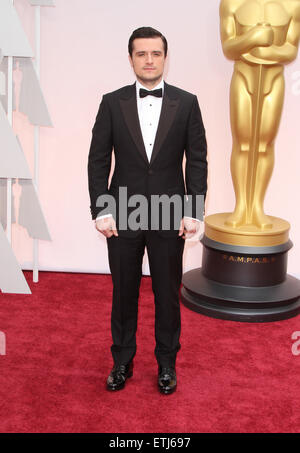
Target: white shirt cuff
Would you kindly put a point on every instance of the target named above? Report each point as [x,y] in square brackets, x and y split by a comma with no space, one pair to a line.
[192,218]
[103,216]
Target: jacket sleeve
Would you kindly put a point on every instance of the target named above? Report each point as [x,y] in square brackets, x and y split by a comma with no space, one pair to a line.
[196,159]
[99,159]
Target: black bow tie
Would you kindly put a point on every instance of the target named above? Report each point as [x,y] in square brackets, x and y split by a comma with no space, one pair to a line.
[156,93]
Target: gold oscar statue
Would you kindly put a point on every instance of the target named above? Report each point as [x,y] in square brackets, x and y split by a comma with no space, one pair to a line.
[261,36]
[244,264]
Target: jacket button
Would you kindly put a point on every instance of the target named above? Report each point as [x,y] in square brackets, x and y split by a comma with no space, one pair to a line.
[150,172]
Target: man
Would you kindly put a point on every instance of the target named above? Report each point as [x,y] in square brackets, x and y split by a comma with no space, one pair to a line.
[149,124]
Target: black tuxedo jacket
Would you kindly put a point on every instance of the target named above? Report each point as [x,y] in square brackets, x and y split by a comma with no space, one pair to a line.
[180,130]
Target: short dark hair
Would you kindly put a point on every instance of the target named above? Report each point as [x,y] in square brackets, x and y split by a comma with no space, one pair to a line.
[146,32]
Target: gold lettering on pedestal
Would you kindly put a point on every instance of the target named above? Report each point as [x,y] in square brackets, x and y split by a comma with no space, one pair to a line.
[249,259]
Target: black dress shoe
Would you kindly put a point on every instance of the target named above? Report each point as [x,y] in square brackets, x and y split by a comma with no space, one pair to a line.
[167,381]
[117,378]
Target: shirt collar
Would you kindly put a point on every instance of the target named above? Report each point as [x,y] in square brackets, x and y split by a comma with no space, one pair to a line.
[157,87]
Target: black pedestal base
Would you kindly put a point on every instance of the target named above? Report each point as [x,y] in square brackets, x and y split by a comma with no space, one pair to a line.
[238,303]
[247,284]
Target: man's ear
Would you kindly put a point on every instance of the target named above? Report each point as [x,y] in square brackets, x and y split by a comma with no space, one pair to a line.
[130,60]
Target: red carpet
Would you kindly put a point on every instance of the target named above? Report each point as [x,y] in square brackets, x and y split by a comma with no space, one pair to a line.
[232,377]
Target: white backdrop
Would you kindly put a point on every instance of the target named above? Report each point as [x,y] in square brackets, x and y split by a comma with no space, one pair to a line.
[84,55]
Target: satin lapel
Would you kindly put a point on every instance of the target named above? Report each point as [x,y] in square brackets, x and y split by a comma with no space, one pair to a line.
[168,111]
[130,112]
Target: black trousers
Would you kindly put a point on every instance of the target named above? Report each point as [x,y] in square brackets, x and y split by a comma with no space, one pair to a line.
[165,262]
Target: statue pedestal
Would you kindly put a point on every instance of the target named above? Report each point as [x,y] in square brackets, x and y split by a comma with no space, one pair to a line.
[241,279]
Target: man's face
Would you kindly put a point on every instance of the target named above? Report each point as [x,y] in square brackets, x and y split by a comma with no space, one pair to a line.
[148,59]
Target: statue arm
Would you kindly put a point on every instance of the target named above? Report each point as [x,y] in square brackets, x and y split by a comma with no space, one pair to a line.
[233,46]
[285,53]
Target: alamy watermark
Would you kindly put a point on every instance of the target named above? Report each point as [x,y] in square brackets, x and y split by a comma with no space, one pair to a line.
[2,343]
[183,206]
[296,345]
[296,84]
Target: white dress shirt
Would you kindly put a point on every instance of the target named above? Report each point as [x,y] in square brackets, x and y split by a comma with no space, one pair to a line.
[149,109]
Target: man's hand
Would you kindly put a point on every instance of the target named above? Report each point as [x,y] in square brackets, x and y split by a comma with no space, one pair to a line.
[188,227]
[107,226]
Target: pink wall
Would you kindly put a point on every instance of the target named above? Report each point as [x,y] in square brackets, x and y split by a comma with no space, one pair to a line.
[84,55]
